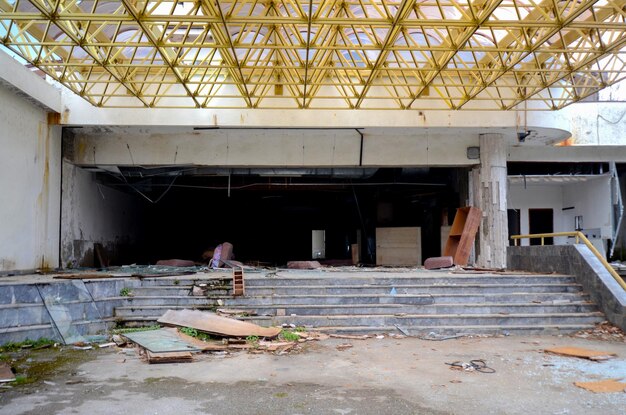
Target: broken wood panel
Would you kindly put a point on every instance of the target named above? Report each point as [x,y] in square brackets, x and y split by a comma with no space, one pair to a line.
[170,357]
[603,386]
[399,246]
[580,352]
[462,234]
[213,324]
[238,282]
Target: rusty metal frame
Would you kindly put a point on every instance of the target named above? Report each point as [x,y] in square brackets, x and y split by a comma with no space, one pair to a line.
[339,54]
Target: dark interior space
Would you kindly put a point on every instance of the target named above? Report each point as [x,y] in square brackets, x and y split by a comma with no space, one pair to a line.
[269,214]
[541,221]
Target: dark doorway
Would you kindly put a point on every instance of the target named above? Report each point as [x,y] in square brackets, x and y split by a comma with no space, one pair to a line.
[515,227]
[541,221]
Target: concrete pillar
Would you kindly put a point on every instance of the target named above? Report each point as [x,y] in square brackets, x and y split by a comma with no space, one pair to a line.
[489,193]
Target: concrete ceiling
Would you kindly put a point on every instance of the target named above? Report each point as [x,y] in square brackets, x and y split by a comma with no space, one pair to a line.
[328,54]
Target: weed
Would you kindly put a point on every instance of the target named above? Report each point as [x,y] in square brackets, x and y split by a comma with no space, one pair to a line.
[20,380]
[195,333]
[289,336]
[253,341]
[126,292]
[281,395]
[11,347]
[176,282]
[299,329]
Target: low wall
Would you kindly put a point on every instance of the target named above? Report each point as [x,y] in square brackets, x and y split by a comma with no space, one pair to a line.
[579,261]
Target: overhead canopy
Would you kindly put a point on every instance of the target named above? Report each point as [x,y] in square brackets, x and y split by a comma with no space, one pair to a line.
[338,54]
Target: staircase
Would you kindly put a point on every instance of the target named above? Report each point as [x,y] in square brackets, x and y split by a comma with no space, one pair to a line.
[419,302]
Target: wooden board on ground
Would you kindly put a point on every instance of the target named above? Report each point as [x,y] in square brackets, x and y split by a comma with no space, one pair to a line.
[582,353]
[603,386]
[6,374]
[160,341]
[399,246]
[170,357]
[205,346]
[213,324]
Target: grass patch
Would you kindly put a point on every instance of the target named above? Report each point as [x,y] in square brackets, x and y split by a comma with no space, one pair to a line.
[195,333]
[289,336]
[126,292]
[30,344]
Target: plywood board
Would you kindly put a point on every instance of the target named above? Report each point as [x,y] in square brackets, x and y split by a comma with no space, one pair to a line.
[399,246]
[603,386]
[171,357]
[582,353]
[212,323]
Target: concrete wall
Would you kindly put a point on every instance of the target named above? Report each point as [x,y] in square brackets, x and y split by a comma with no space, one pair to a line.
[94,213]
[590,199]
[30,175]
[577,260]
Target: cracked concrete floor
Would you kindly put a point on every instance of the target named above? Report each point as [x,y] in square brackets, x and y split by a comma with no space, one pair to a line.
[375,376]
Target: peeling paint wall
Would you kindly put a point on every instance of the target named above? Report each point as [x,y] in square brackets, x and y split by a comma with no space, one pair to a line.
[30,174]
[93,213]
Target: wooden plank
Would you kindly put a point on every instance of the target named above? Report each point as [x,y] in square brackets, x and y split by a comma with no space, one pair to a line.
[462,234]
[398,246]
[580,352]
[603,386]
[213,324]
[172,357]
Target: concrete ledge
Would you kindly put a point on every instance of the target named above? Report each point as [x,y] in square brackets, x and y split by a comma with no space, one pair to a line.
[579,261]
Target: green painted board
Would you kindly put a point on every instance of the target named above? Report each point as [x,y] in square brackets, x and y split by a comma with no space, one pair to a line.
[160,341]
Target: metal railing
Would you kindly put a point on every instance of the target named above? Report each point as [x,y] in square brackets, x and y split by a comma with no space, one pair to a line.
[579,236]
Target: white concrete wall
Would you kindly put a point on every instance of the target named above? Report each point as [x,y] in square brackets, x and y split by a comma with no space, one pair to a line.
[94,213]
[537,197]
[30,175]
[591,199]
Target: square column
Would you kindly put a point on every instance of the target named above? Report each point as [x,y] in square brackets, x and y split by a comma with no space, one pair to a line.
[489,193]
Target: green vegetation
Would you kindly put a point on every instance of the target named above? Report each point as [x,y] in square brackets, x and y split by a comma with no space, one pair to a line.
[289,336]
[299,329]
[34,344]
[176,282]
[126,292]
[195,333]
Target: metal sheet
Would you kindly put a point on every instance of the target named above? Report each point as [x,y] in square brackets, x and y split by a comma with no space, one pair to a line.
[160,341]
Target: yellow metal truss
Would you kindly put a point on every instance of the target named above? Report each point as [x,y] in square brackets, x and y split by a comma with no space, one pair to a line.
[339,54]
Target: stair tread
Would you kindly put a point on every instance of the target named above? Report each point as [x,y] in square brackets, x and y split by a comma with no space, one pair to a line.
[392,305]
[420,295]
[441,316]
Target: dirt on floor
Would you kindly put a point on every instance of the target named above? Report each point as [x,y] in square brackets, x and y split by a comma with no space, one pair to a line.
[389,375]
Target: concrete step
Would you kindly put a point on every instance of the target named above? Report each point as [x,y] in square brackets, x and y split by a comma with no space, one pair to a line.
[187,280]
[442,331]
[154,310]
[17,315]
[173,300]
[28,332]
[427,320]
[460,309]
[180,290]
[427,279]
[411,289]
[404,299]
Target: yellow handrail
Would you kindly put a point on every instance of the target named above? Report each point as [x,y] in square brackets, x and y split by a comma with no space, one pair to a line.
[579,237]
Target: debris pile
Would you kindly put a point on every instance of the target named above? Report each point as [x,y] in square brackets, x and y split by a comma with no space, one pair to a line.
[191,332]
[604,331]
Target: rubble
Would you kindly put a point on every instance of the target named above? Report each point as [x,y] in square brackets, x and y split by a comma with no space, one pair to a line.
[603,331]
[581,353]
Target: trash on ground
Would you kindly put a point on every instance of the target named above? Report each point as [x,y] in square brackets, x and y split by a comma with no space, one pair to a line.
[211,323]
[104,345]
[160,341]
[6,374]
[603,331]
[476,365]
[233,312]
[303,265]
[350,336]
[343,346]
[603,386]
[582,353]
